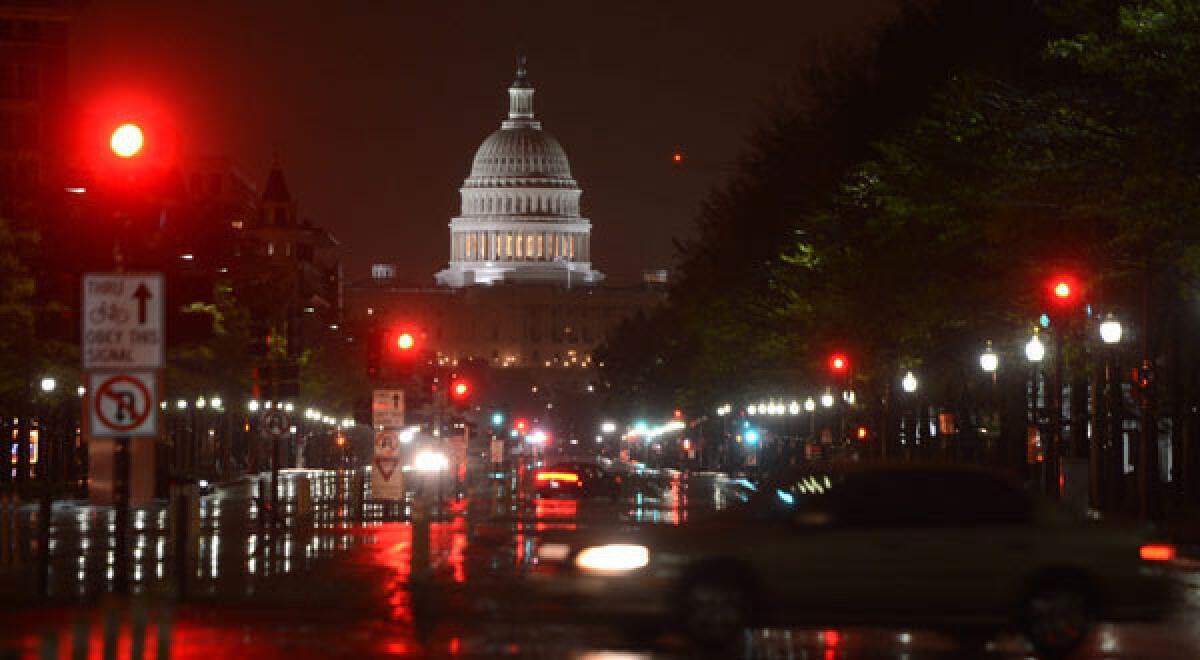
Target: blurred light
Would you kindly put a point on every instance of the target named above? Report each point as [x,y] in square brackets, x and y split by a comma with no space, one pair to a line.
[827,400]
[497,419]
[752,436]
[404,341]
[49,384]
[1111,330]
[181,404]
[1157,552]
[252,405]
[988,360]
[187,256]
[608,427]
[430,461]
[613,558]
[127,140]
[809,404]
[201,402]
[838,363]
[81,390]
[216,402]
[909,383]
[1034,350]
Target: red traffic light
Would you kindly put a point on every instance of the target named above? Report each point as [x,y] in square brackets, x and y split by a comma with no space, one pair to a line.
[839,363]
[1064,289]
[127,140]
[460,389]
[521,425]
[405,341]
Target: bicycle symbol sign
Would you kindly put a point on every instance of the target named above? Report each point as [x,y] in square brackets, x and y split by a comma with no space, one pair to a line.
[123,404]
[122,317]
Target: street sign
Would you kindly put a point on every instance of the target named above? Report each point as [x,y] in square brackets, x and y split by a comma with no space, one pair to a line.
[387,409]
[276,423]
[124,404]
[387,479]
[122,321]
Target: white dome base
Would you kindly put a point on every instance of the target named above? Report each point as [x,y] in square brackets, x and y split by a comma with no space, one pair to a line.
[462,274]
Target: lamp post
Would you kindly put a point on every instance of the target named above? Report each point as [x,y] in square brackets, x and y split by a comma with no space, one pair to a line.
[1035,351]
[1105,455]
[989,362]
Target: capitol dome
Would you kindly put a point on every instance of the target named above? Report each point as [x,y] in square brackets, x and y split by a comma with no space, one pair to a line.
[520,220]
[520,152]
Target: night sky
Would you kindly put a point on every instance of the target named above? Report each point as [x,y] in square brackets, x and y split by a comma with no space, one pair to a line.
[377,108]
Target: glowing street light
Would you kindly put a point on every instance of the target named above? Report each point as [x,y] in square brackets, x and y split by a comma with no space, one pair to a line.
[49,384]
[909,383]
[1035,350]
[988,360]
[1111,331]
[810,405]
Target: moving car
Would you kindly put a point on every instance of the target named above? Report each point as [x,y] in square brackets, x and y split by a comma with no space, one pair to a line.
[576,479]
[942,547]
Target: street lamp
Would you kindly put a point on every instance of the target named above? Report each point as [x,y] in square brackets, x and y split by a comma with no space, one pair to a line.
[909,383]
[1035,350]
[1110,331]
[827,400]
[1106,463]
[49,384]
[988,360]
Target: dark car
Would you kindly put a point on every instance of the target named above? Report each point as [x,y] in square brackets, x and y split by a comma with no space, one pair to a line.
[577,479]
[957,549]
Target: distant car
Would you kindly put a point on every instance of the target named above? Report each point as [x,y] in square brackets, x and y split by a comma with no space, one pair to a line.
[964,550]
[576,479]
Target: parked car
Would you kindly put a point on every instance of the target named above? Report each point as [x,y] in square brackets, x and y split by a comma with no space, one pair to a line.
[963,550]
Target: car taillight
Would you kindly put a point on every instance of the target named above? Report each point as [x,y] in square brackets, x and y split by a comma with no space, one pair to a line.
[570,477]
[1157,552]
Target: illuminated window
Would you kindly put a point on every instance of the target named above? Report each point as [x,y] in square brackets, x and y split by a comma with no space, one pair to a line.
[529,245]
[520,245]
[508,245]
[540,254]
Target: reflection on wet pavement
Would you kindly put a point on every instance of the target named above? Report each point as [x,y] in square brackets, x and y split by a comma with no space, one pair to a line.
[333,576]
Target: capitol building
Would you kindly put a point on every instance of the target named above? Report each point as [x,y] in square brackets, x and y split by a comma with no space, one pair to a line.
[519,296]
[520,220]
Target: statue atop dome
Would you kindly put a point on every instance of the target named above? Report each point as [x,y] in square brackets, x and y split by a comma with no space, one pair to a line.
[520,81]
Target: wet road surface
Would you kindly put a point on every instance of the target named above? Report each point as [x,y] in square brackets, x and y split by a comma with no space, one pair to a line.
[332,578]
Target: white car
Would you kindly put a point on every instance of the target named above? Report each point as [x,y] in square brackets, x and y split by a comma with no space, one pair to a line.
[958,549]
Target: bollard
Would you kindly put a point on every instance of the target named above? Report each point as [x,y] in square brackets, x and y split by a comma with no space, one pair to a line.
[79,639]
[137,647]
[303,496]
[44,513]
[164,632]
[5,536]
[49,645]
[111,630]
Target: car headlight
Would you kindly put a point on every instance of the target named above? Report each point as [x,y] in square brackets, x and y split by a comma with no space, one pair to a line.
[430,461]
[613,558]
[553,551]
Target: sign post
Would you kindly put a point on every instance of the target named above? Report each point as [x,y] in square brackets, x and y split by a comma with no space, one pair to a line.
[122,350]
[276,423]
